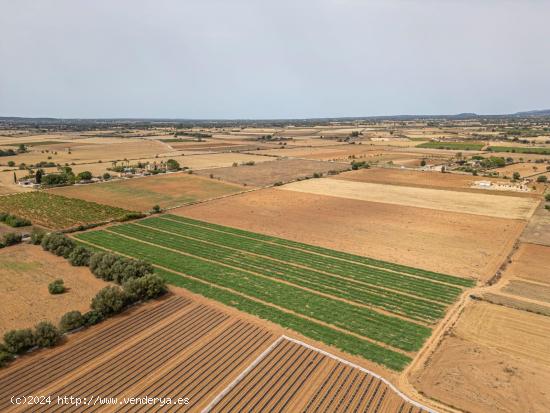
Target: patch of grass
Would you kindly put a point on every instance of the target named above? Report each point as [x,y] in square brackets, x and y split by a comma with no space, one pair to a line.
[462,146]
[57,212]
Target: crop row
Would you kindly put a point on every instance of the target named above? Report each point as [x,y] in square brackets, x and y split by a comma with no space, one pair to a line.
[374,276]
[390,330]
[343,288]
[328,253]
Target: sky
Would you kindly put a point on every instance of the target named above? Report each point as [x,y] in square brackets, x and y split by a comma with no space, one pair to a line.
[201,59]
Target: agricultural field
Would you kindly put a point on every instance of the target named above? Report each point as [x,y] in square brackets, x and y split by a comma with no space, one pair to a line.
[269,173]
[474,245]
[520,149]
[475,369]
[58,212]
[384,310]
[142,193]
[525,169]
[294,377]
[460,146]
[497,206]
[25,272]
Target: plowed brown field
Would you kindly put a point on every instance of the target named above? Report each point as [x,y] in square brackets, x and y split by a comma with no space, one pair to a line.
[474,246]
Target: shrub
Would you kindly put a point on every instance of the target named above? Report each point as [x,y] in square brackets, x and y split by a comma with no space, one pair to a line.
[11,238]
[80,256]
[516,176]
[92,317]
[71,321]
[547,197]
[56,287]
[84,176]
[109,300]
[58,244]
[156,209]
[46,334]
[317,175]
[36,236]
[131,215]
[14,221]
[101,264]
[106,176]
[19,341]
[542,178]
[147,287]
[172,165]
[5,357]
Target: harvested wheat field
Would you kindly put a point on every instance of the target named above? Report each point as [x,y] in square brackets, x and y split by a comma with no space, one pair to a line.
[269,173]
[528,290]
[421,179]
[476,370]
[497,206]
[143,193]
[530,262]
[294,377]
[25,272]
[525,169]
[474,246]
[538,228]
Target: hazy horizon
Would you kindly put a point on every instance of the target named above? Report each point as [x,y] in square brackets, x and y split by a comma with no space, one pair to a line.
[254,60]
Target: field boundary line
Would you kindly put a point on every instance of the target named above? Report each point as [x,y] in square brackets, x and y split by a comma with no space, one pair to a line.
[241,376]
[364,370]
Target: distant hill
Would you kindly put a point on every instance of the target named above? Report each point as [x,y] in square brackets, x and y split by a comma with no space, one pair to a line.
[543,112]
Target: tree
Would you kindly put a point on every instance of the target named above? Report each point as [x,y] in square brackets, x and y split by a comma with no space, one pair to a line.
[423,162]
[172,165]
[11,164]
[109,300]
[92,317]
[106,176]
[147,287]
[80,256]
[11,238]
[516,176]
[542,178]
[84,176]
[71,321]
[58,244]
[46,334]
[56,286]
[36,236]
[19,341]
[38,176]
[156,209]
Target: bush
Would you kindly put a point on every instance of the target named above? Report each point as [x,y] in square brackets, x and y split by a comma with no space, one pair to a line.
[547,197]
[80,256]
[19,341]
[56,287]
[84,176]
[542,178]
[92,317]
[14,221]
[11,238]
[317,175]
[156,209]
[131,215]
[58,244]
[109,301]
[46,334]
[111,267]
[106,176]
[516,176]
[172,165]
[147,287]
[36,236]
[71,321]
[5,358]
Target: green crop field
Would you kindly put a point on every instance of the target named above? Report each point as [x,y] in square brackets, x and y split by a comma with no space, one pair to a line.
[58,212]
[379,310]
[519,149]
[461,146]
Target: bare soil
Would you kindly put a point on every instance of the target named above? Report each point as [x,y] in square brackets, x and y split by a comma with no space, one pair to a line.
[474,369]
[530,262]
[438,199]
[474,246]
[268,173]
[25,272]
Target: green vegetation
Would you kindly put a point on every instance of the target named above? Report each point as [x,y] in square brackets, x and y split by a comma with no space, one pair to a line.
[519,149]
[11,238]
[14,221]
[463,146]
[56,286]
[299,289]
[55,211]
